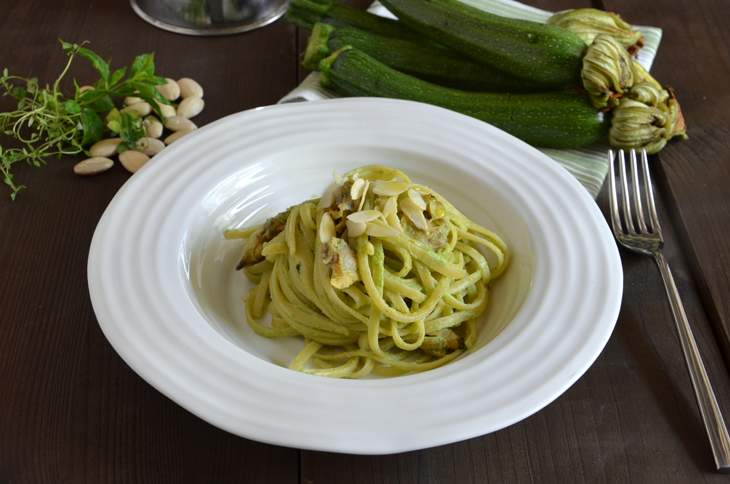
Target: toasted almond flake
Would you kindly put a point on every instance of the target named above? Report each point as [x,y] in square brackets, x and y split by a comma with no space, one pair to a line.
[379,229]
[364,194]
[389,188]
[356,229]
[328,197]
[416,198]
[436,209]
[357,189]
[390,207]
[394,222]
[364,216]
[414,214]
[326,228]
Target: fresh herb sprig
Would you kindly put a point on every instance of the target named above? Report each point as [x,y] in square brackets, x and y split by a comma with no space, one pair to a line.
[48,123]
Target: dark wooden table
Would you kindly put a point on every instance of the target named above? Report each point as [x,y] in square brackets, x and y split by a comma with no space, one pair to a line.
[72,412]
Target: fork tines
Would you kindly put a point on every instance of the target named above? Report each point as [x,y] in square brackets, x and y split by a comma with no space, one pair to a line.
[632,201]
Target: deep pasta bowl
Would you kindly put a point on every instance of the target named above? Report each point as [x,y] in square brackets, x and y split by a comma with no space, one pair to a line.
[163,287]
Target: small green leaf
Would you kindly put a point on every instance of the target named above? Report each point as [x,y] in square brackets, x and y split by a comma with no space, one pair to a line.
[113,121]
[117,75]
[92,126]
[100,65]
[144,63]
[67,46]
[72,107]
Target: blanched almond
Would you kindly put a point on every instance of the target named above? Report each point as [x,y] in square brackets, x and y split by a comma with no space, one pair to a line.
[167,110]
[92,166]
[133,160]
[177,123]
[189,87]
[150,146]
[143,108]
[129,100]
[190,107]
[152,127]
[326,228]
[169,90]
[177,135]
[105,147]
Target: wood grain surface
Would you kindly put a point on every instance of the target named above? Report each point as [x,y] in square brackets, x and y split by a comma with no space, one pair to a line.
[71,411]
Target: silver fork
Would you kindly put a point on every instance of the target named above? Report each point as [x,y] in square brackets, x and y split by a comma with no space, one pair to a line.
[636,227]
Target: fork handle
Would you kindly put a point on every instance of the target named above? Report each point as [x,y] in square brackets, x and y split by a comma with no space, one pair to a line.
[710,410]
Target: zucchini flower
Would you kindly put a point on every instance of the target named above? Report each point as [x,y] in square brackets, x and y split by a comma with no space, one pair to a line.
[646,89]
[607,72]
[639,125]
[588,23]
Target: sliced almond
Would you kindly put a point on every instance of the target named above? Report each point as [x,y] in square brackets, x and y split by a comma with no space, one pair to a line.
[92,166]
[390,207]
[379,229]
[178,123]
[414,214]
[105,147]
[364,216]
[326,228]
[364,194]
[416,198]
[436,209]
[357,188]
[356,229]
[389,188]
[329,195]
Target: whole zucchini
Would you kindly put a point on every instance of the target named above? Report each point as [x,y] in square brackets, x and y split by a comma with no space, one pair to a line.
[306,13]
[425,61]
[530,50]
[551,120]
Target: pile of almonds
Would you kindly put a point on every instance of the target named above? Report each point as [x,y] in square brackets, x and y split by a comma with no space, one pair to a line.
[176,119]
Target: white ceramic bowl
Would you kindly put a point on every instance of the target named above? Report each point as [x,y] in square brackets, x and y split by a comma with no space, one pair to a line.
[163,287]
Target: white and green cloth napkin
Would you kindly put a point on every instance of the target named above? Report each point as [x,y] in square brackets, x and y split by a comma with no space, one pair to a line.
[589,166]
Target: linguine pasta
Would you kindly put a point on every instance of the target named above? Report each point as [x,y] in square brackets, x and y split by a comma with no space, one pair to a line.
[379,275]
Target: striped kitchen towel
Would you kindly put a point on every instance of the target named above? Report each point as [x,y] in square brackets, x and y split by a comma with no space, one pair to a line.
[590,165]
